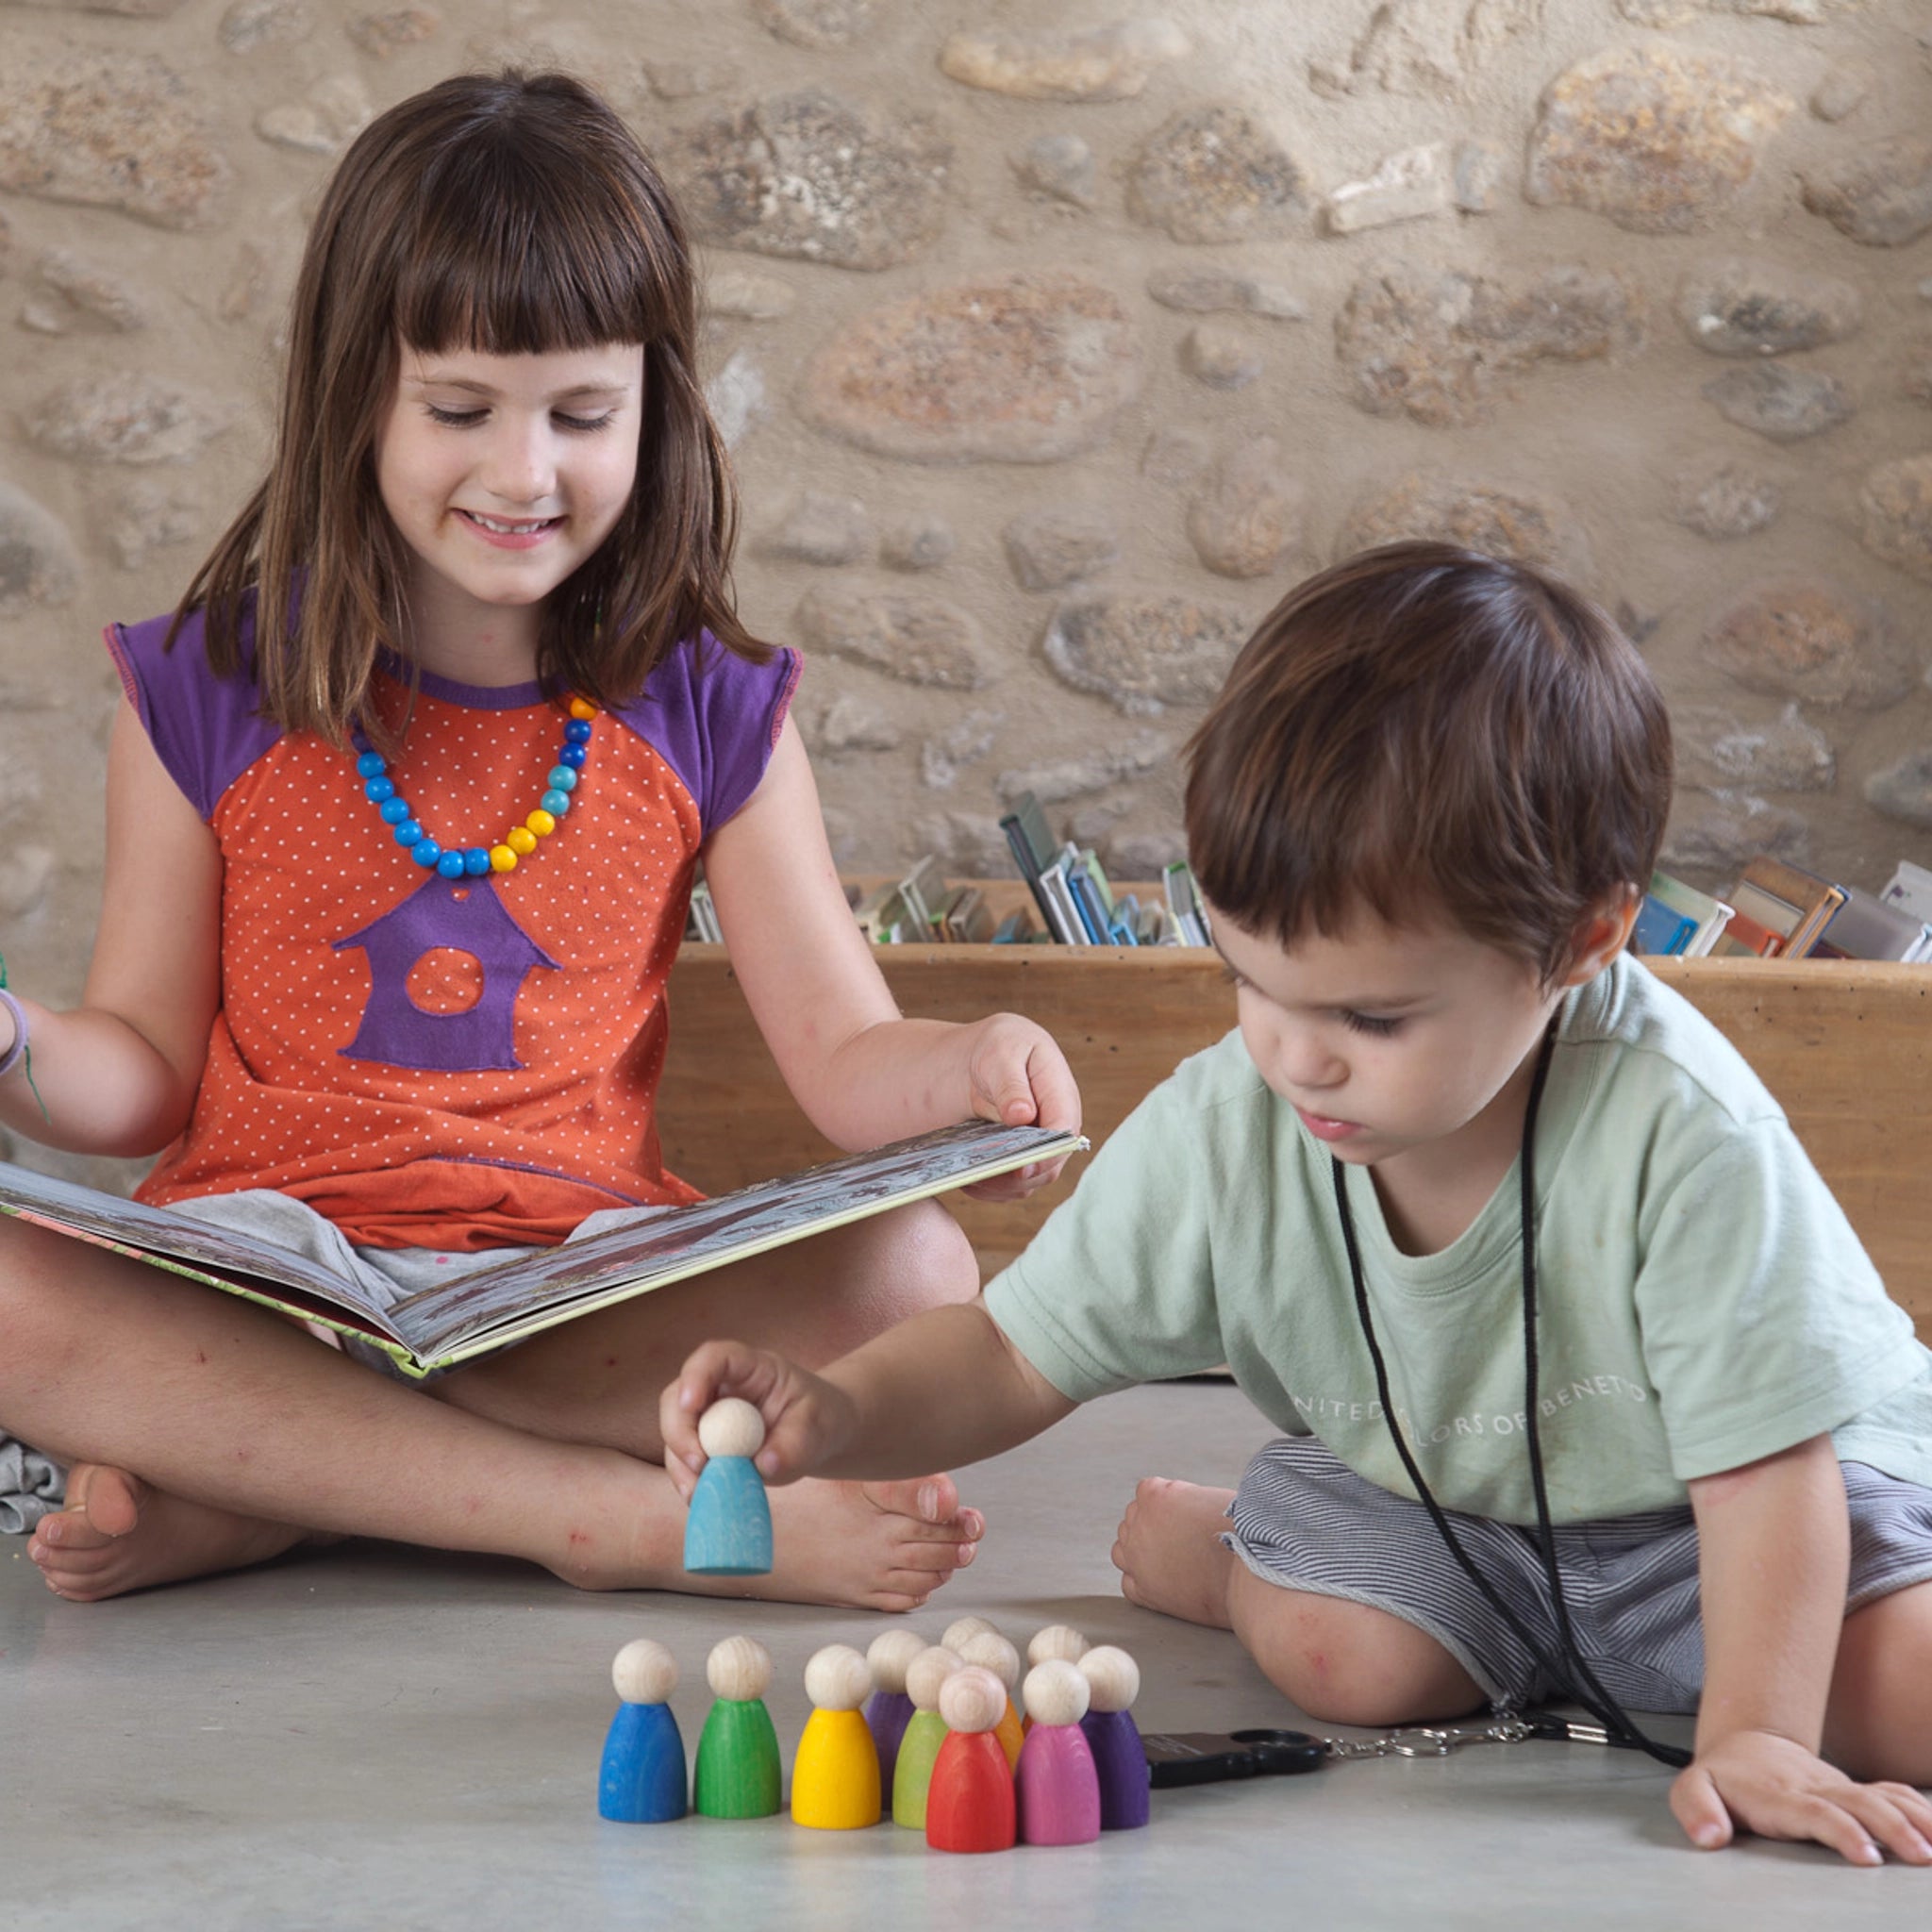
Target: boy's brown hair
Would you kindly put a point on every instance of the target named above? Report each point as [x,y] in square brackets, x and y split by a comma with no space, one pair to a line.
[510,214]
[1437,736]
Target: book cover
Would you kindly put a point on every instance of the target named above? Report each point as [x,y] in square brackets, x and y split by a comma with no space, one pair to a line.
[1744,938]
[1866,927]
[539,1287]
[1911,888]
[1088,902]
[1661,928]
[1712,915]
[1770,884]
[1184,902]
[1031,842]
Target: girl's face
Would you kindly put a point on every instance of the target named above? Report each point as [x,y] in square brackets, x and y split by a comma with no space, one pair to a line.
[504,474]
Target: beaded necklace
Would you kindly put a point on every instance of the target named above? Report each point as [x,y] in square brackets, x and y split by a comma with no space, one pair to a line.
[472,861]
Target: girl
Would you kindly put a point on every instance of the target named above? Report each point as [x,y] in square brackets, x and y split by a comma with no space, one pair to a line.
[404,805]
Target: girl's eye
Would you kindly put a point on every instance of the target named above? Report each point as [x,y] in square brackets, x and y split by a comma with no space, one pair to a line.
[455,419]
[1364,1023]
[587,423]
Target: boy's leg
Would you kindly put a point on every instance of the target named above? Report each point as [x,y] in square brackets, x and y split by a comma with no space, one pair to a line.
[1878,1723]
[1339,1661]
[246,1433]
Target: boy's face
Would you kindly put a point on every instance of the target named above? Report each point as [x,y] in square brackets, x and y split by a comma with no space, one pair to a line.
[1389,1039]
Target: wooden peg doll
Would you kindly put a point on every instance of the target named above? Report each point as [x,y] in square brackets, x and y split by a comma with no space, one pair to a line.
[962,1628]
[1051,1640]
[889,1710]
[1113,1681]
[738,1774]
[990,1652]
[925,1731]
[835,1777]
[969,1805]
[728,1532]
[1056,1787]
[641,1779]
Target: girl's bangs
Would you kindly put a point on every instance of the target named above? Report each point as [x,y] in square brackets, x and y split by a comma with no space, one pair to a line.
[511,281]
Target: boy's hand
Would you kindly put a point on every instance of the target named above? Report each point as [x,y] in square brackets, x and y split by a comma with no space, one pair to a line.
[806,1419]
[1018,1077]
[1761,1782]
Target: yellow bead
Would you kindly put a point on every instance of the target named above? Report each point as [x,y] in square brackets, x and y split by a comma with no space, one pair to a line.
[582,708]
[521,839]
[540,823]
[502,859]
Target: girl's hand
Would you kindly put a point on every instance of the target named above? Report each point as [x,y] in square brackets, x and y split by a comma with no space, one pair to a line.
[1758,1781]
[806,1419]
[1017,1076]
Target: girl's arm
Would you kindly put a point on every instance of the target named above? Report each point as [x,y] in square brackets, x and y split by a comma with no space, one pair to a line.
[940,1390]
[1773,1555]
[118,1074]
[862,1073]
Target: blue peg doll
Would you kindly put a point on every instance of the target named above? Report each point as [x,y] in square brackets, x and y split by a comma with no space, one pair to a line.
[728,1532]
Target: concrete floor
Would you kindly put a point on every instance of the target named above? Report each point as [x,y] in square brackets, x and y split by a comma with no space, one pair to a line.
[373,1736]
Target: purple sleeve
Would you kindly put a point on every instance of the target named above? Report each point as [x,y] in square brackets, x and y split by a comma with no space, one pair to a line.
[715,717]
[204,728]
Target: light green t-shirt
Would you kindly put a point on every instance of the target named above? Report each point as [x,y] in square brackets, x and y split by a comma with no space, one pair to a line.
[1704,1300]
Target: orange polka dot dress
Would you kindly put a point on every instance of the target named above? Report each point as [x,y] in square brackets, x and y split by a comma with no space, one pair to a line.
[450,1063]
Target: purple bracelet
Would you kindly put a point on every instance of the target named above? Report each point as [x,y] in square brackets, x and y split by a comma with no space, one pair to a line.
[17,1052]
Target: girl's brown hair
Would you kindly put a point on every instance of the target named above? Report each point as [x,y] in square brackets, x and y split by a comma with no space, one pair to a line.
[1433,735]
[510,214]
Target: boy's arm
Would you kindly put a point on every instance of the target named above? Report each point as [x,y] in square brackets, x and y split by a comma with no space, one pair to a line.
[942,1388]
[863,1075]
[1773,1554]
[118,1074]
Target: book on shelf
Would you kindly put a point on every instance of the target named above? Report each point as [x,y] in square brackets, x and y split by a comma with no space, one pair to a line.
[1911,890]
[1868,927]
[1659,930]
[1787,900]
[1184,902]
[1031,842]
[1744,938]
[537,1288]
[701,922]
[1709,916]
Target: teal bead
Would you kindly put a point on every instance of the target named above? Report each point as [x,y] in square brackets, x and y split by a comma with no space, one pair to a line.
[562,778]
[555,803]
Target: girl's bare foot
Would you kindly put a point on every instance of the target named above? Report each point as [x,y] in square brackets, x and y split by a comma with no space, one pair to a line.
[1168,1552]
[879,1546]
[118,1534]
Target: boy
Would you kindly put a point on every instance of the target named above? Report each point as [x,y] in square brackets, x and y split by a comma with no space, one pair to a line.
[1419,813]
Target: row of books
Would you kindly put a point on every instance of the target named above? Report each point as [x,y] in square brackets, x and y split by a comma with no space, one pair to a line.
[1079,905]
[1782,911]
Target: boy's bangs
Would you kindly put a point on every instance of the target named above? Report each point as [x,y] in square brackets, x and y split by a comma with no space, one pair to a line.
[502,279]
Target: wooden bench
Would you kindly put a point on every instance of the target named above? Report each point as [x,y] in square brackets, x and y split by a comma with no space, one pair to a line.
[1847,1048]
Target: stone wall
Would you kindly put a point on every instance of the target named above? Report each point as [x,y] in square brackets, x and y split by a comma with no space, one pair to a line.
[1055,343]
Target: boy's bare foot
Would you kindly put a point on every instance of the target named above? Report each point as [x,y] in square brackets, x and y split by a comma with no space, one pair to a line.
[877,1546]
[1168,1552]
[118,1534]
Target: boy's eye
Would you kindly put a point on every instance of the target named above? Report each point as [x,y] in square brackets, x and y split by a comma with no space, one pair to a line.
[1365,1022]
[1231,977]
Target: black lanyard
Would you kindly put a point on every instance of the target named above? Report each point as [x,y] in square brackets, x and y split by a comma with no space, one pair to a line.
[1580,1680]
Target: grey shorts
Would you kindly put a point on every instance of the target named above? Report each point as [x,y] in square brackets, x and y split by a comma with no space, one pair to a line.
[385,1274]
[1305,1520]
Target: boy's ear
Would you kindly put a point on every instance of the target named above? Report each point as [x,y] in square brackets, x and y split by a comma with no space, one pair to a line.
[1601,934]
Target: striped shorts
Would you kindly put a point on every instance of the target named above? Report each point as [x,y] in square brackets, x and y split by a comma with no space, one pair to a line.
[1305,1520]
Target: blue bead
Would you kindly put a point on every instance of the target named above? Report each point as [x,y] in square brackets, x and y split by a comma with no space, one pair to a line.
[426,854]
[450,865]
[572,756]
[562,778]
[577,731]
[409,832]
[394,810]
[555,803]
[376,790]
[477,860]
[371,764]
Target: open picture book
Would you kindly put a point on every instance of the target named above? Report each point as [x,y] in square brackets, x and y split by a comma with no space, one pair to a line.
[537,1288]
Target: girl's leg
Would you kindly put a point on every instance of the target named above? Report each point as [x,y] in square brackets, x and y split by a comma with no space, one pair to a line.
[206,1432]
[1878,1723]
[1341,1662]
